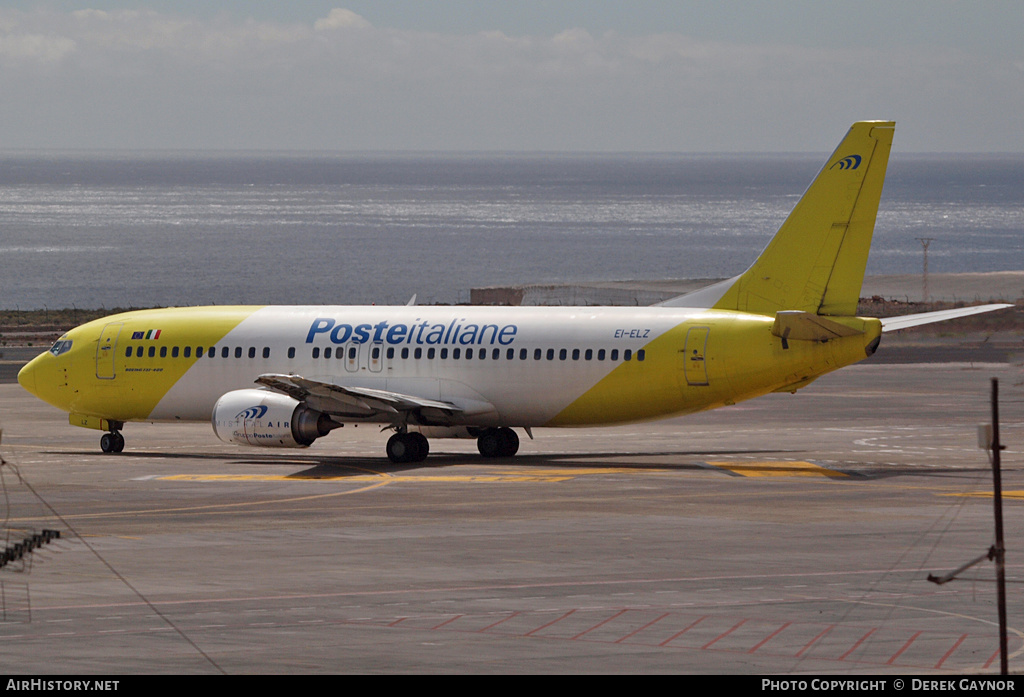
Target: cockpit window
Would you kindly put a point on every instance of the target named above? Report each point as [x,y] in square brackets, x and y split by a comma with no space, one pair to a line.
[60,346]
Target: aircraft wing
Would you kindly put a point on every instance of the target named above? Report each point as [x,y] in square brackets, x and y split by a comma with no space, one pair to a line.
[359,402]
[891,324]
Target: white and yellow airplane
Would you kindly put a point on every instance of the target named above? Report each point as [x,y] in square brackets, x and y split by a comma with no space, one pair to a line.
[285,376]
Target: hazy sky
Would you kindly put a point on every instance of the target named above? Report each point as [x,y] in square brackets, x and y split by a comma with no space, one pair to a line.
[562,75]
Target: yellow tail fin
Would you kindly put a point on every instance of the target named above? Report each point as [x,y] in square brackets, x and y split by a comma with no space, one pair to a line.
[815,262]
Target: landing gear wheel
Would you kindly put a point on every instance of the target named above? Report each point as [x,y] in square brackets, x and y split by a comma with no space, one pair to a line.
[421,444]
[498,442]
[112,442]
[509,442]
[489,444]
[407,447]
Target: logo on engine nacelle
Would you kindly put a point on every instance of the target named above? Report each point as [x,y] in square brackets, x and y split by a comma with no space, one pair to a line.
[256,412]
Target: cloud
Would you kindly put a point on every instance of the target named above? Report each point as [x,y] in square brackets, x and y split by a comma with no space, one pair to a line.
[340,19]
[140,78]
[38,48]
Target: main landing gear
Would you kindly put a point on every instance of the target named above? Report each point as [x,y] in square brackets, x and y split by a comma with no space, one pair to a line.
[407,446]
[498,442]
[411,446]
[112,442]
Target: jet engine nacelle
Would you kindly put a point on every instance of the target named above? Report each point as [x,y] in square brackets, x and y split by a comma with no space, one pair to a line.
[268,419]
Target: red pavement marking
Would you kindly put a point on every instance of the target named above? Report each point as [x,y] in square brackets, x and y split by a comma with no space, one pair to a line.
[859,642]
[810,643]
[545,626]
[599,624]
[448,621]
[950,652]
[724,634]
[683,631]
[769,637]
[504,619]
[903,648]
[640,629]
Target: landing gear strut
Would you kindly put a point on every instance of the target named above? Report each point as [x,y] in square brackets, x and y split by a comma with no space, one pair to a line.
[498,442]
[112,442]
[407,447]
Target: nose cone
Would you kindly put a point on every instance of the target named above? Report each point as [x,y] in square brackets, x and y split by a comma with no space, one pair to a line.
[27,375]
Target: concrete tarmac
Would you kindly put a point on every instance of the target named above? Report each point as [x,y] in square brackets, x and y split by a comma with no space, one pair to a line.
[787,535]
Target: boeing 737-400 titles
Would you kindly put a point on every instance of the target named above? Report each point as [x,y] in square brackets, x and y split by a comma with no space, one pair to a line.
[286,376]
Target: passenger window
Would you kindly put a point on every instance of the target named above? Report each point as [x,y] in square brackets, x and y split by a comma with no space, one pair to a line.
[600,354]
[430,353]
[252,352]
[496,354]
[551,354]
[316,352]
[536,354]
[128,353]
[615,355]
[199,351]
[405,353]
[174,352]
[561,355]
[641,354]
[444,353]
[391,351]
[266,352]
[375,354]
[163,352]
[469,353]
[291,352]
[138,352]
[589,355]
[225,352]
[522,354]
[238,351]
[188,352]
[417,353]
[456,353]
[575,354]
[152,351]
[352,353]
[627,355]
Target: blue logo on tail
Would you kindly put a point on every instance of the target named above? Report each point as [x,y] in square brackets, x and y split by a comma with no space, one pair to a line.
[848,162]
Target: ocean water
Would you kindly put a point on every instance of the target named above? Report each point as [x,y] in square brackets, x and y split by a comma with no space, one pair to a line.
[116,230]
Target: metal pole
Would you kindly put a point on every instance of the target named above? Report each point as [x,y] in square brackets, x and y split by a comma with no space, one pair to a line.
[925,241]
[998,550]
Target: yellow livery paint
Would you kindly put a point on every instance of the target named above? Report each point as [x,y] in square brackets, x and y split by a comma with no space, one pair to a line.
[286,376]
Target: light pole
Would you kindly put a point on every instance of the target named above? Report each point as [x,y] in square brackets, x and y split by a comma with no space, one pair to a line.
[925,241]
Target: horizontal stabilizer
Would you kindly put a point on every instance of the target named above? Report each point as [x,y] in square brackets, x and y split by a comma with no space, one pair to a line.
[891,324]
[806,326]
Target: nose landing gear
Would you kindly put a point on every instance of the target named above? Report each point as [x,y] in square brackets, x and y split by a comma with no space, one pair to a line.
[112,442]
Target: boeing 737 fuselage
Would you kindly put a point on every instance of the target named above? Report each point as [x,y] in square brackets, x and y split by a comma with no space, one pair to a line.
[286,376]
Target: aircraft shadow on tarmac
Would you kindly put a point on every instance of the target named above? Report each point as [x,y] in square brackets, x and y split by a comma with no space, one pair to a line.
[357,465]
[342,466]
